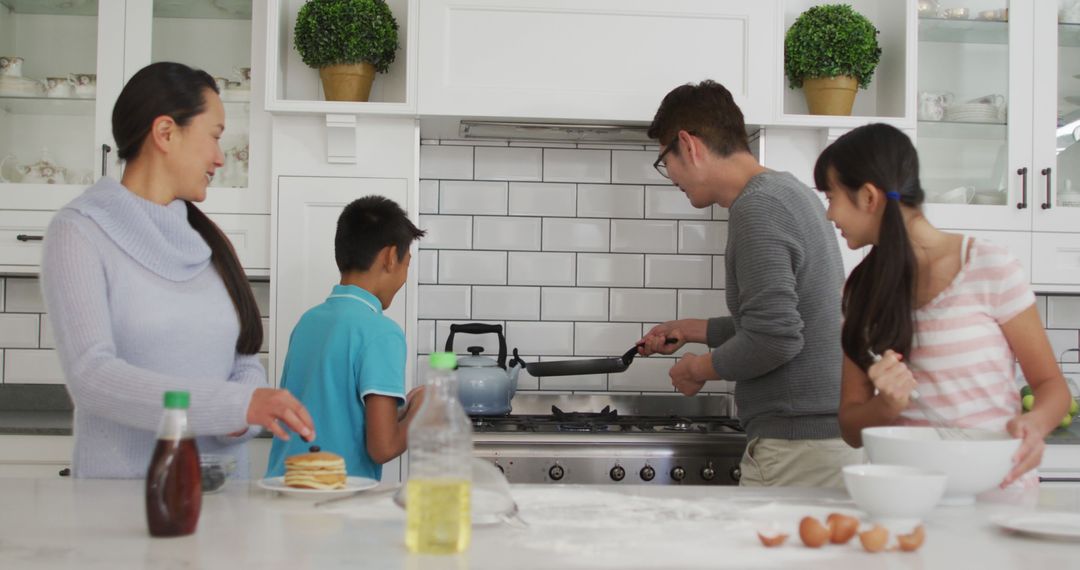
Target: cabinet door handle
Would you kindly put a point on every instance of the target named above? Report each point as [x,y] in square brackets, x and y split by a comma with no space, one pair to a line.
[105,149]
[1023,189]
[1046,173]
[28,237]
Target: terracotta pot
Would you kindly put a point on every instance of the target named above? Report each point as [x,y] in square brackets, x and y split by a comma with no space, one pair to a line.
[347,82]
[830,95]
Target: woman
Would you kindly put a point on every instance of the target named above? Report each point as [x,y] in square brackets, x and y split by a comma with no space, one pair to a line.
[945,313]
[145,293]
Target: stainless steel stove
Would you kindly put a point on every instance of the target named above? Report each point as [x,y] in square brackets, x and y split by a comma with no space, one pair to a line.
[655,440]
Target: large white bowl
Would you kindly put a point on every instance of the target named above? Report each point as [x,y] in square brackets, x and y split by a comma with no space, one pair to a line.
[896,496]
[973,464]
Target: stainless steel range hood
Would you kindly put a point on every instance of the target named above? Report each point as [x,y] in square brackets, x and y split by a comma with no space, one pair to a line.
[502,130]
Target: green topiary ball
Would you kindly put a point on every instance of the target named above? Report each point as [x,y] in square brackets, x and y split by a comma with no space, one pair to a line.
[332,32]
[831,40]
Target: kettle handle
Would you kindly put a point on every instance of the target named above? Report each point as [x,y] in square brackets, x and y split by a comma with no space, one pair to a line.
[479,328]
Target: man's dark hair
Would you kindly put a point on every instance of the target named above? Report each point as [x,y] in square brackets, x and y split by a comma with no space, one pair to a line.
[366,226]
[705,110]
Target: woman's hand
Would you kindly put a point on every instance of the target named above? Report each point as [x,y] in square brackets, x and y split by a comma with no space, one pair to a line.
[1025,428]
[893,380]
[269,405]
[655,341]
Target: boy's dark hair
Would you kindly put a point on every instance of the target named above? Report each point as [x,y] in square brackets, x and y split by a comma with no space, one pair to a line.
[705,110]
[366,226]
[879,296]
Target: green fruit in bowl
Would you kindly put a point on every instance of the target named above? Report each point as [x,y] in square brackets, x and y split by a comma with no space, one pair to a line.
[1066,422]
[1028,402]
[1026,391]
[1074,407]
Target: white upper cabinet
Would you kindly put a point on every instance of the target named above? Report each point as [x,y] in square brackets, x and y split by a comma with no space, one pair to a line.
[591,60]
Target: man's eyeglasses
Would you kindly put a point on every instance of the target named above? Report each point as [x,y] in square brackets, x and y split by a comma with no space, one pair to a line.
[660,165]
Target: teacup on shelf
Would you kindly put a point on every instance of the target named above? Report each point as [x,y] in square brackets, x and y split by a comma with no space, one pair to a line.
[11,65]
[59,86]
[955,13]
[44,171]
[85,84]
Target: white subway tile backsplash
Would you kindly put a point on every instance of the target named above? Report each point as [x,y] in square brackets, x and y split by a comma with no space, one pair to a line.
[23,296]
[605,339]
[548,338]
[425,337]
[443,302]
[542,144]
[429,196]
[635,167]
[702,237]
[514,234]
[541,268]
[446,162]
[644,375]
[641,305]
[667,202]
[28,366]
[446,232]
[1062,340]
[681,271]
[47,340]
[472,142]
[610,201]
[649,236]
[542,199]
[428,267]
[577,165]
[19,330]
[494,163]
[472,267]
[1061,312]
[610,270]
[719,272]
[574,304]
[570,234]
[261,289]
[702,304]
[472,197]
[506,303]
[462,341]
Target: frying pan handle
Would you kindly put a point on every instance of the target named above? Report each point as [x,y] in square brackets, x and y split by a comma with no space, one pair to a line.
[479,328]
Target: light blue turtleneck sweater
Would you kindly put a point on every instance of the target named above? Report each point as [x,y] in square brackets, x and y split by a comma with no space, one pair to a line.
[137,309]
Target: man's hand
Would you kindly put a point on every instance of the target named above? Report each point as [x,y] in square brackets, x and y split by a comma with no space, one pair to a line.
[689,375]
[269,405]
[655,341]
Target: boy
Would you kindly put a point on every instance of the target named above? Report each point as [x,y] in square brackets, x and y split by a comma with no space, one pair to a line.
[346,360]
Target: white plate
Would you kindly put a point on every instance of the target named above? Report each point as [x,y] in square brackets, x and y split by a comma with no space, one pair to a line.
[352,485]
[1042,524]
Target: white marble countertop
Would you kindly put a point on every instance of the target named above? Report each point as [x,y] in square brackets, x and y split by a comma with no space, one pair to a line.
[91,524]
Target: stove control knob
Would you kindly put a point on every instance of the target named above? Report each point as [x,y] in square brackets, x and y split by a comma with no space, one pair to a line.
[647,473]
[736,473]
[556,472]
[678,474]
[707,472]
[617,473]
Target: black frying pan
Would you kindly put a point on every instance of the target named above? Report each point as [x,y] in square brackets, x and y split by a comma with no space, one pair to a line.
[587,366]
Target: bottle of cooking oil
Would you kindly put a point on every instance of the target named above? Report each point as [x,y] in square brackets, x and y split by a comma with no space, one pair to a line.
[438,520]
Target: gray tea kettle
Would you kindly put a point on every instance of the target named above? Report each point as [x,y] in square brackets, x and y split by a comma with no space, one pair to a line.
[485,385]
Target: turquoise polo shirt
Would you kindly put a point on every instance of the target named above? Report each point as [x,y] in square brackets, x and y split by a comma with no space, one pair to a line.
[339,352]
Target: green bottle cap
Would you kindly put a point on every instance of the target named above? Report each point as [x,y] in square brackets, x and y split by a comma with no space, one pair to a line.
[177,400]
[443,360]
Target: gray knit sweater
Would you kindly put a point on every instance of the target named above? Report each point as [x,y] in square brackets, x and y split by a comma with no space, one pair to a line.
[138,309]
[781,344]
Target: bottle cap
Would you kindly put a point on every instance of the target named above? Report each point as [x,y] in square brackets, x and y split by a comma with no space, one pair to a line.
[443,360]
[177,400]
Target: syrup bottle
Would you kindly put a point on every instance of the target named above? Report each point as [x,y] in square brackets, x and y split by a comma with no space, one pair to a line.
[174,480]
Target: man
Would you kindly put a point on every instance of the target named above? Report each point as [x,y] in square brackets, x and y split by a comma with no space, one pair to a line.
[781,344]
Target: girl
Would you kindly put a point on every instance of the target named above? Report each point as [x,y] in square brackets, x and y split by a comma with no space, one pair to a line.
[146,294]
[948,314]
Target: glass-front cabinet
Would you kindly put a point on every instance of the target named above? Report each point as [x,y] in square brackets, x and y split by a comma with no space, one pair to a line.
[999,121]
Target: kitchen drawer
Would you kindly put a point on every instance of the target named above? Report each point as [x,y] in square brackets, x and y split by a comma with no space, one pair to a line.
[34,455]
[1055,260]
[20,239]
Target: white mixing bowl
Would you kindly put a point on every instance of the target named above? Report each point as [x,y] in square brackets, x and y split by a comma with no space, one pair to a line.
[896,496]
[975,463]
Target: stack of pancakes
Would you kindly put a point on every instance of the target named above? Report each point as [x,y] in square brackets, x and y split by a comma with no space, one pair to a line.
[316,470]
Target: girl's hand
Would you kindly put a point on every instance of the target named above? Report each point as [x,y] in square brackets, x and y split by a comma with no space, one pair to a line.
[1026,429]
[893,380]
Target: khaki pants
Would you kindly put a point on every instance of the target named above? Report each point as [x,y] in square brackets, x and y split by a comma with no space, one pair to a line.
[797,463]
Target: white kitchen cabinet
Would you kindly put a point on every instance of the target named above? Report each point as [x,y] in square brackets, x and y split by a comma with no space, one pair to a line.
[34,455]
[591,60]
[53,143]
[1019,169]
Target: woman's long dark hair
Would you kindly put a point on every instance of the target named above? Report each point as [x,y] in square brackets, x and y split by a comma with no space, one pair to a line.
[178,91]
[879,296]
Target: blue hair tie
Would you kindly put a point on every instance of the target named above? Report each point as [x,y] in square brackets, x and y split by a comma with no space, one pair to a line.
[893,196]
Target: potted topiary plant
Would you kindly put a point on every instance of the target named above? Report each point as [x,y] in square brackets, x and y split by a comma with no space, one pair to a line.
[348,41]
[830,51]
